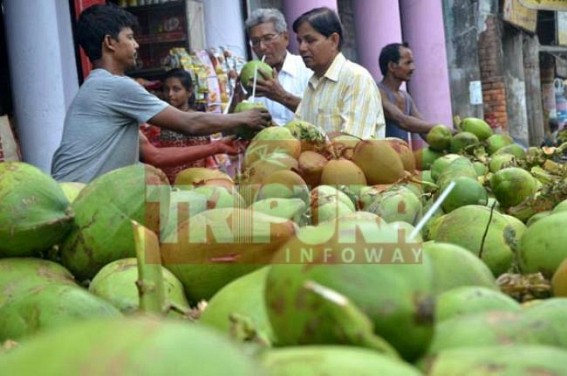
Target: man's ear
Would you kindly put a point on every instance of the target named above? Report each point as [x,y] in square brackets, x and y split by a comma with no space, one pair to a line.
[392,65]
[108,42]
[335,38]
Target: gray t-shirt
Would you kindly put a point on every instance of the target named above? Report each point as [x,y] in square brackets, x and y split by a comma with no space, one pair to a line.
[101,127]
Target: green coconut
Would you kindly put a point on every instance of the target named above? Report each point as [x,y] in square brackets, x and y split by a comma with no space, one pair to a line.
[452,165]
[497,359]
[333,361]
[184,204]
[272,140]
[243,297]
[466,300]
[134,346]
[462,140]
[439,138]
[323,268]
[542,247]
[496,142]
[287,208]
[244,132]
[19,275]
[485,234]
[397,204]
[34,211]
[220,197]
[103,213]
[72,189]
[328,203]
[518,226]
[478,127]
[561,207]
[284,184]
[467,191]
[49,306]
[214,247]
[513,149]
[312,137]
[501,161]
[537,216]
[116,283]
[247,73]
[512,185]
[481,168]
[455,266]
[544,325]
[425,157]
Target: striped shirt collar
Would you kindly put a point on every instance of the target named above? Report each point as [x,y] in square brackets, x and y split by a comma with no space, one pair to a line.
[334,70]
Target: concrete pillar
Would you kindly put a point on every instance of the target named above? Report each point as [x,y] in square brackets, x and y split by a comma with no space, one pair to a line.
[224,25]
[377,23]
[43,73]
[292,9]
[422,25]
[534,101]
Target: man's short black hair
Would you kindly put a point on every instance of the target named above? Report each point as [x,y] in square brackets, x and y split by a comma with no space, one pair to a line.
[324,20]
[390,53]
[98,21]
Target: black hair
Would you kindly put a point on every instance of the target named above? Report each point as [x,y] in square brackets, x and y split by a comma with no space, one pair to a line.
[390,53]
[325,20]
[98,21]
[185,78]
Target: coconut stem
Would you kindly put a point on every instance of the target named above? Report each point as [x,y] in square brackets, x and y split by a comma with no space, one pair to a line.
[150,284]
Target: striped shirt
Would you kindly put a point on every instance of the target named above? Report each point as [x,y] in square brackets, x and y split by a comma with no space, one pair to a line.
[345,99]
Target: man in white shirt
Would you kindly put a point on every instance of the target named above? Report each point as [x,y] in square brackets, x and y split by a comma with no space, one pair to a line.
[269,39]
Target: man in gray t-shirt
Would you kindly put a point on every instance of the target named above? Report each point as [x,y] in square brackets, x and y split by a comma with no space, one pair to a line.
[101,126]
[105,137]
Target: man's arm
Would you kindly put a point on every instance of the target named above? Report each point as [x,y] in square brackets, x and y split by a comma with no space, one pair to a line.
[173,156]
[411,123]
[271,88]
[203,123]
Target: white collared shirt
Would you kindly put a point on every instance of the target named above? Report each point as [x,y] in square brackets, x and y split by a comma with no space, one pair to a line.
[294,77]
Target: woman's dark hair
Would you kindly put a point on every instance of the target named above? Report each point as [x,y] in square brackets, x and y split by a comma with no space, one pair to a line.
[390,53]
[324,20]
[185,78]
[98,21]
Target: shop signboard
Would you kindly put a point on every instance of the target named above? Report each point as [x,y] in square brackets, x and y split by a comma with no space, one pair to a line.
[556,5]
[517,14]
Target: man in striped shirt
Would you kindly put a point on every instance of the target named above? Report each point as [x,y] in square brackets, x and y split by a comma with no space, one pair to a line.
[341,96]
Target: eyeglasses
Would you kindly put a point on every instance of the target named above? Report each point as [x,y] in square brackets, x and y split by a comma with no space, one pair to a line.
[266,39]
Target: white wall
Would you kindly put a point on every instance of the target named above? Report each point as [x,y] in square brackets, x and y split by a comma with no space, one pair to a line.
[43,73]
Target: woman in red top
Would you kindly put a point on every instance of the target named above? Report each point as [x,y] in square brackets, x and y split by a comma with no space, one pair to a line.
[189,151]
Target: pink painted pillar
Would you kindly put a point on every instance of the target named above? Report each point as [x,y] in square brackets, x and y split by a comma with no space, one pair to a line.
[292,9]
[377,23]
[422,24]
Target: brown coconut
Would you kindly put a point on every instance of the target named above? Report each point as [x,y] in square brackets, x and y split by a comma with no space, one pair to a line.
[343,145]
[311,166]
[198,176]
[379,162]
[404,151]
[343,172]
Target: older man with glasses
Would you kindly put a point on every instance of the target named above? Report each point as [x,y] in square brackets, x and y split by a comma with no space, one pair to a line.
[268,38]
